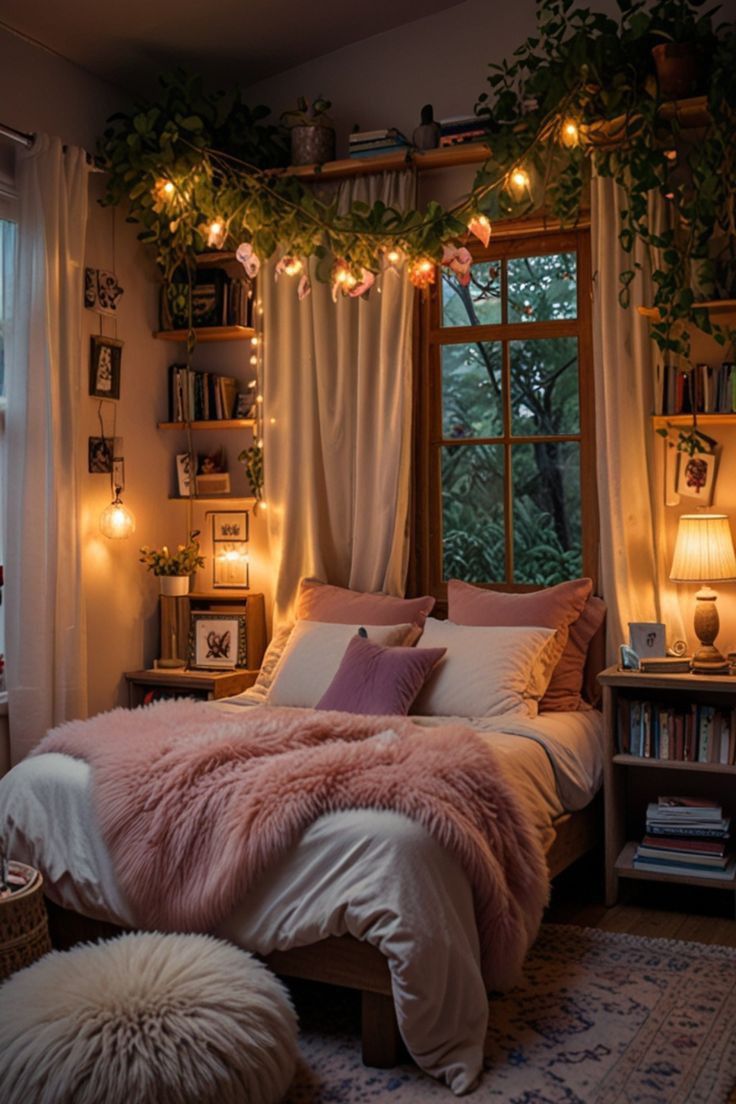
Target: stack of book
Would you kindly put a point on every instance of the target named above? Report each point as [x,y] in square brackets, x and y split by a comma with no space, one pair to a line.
[705,389]
[686,835]
[200,396]
[689,734]
[459,129]
[374,143]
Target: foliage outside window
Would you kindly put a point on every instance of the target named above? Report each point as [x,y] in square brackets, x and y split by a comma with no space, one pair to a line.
[509,379]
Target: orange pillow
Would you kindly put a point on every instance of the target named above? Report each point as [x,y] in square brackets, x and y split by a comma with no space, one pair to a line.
[556,607]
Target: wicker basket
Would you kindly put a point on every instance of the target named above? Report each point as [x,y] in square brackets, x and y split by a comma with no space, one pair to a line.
[24,927]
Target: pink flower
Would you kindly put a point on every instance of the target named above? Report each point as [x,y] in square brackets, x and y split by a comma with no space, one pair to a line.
[249,259]
[367,280]
[480,226]
[304,288]
[458,260]
[289,265]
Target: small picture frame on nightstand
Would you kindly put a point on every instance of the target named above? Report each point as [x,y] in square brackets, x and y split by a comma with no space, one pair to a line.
[217,641]
[648,638]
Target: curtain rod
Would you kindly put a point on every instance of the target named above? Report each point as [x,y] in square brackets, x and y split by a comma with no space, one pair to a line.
[27,140]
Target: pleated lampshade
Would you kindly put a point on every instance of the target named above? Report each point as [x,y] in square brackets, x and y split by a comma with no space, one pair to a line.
[704,551]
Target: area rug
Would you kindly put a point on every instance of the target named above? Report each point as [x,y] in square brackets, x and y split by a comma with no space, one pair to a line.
[601,1018]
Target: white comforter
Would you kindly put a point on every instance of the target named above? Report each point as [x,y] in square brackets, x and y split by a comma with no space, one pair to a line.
[374,875]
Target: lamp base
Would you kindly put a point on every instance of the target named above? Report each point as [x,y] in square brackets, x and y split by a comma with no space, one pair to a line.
[707,660]
[710,663]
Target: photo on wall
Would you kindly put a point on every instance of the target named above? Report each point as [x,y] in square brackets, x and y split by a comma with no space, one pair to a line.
[104,367]
[217,641]
[102,453]
[697,476]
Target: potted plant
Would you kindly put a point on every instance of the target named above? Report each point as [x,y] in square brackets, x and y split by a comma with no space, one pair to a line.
[174,569]
[312,132]
[677,57]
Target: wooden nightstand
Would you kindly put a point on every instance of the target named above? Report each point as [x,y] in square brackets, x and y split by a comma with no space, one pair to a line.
[631,781]
[209,685]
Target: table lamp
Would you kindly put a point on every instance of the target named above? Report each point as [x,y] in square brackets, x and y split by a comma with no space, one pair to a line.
[704,553]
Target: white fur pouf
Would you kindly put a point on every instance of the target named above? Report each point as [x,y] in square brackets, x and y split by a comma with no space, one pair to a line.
[146,1019]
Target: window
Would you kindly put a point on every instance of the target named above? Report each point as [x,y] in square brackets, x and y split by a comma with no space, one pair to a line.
[505,459]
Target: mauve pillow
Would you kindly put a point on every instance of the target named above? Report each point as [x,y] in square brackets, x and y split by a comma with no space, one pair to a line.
[317,601]
[554,607]
[378,680]
[564,692]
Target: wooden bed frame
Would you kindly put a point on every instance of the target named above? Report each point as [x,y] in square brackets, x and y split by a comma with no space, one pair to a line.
[351,963]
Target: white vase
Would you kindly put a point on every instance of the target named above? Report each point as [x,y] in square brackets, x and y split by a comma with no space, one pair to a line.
[174,585]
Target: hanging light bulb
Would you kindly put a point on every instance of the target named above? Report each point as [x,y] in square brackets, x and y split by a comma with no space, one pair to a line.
[421,272]
[518,181]
[116,520]
[216,232]
[569,133]
[164,190]
[394,256]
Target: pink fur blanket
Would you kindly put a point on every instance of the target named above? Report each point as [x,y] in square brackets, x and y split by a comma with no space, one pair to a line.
[195,803]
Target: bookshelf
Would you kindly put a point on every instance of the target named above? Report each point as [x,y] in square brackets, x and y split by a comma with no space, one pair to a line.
[208,333]
[662,421]
[211,423]
[631,781]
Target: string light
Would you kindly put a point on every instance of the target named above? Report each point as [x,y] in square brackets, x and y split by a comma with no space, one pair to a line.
[293,266]
[254,360]
[569,133]
[215,233]
[421,272]
[519,181]
[394,256]
[254,339]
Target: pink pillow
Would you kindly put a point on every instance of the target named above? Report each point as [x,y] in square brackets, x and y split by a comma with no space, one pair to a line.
[318,601]
[579,651]
[554,607]
[378,680]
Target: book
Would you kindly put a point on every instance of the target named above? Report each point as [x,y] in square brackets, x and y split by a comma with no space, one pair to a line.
[659,867]
[695,832]
[686,844]
[665,664]
[694,858]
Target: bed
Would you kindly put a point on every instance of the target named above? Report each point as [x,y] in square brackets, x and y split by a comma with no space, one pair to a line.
[349,905]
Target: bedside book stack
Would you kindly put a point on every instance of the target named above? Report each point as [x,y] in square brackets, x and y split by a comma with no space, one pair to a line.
[694,733]
[686,836]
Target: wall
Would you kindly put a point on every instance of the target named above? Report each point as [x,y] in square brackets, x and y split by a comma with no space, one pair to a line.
[40,91]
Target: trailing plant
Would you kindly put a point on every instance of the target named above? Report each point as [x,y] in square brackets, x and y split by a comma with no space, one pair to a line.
[252,460]
[184,561]
[201,171]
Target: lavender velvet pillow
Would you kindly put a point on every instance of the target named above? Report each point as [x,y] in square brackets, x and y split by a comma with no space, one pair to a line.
[378,680]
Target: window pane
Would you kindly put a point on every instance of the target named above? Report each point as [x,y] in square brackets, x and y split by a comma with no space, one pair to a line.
[544,387]
[471,390]
[478,304]
[541,289]
[547,528]
[473,513]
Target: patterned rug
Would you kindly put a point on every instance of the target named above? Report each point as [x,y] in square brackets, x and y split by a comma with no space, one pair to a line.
[601,1018]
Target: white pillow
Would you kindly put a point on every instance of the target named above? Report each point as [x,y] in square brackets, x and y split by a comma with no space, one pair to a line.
[313,654]
[485,672]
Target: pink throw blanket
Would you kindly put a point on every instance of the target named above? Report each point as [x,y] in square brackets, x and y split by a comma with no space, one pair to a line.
[195,803]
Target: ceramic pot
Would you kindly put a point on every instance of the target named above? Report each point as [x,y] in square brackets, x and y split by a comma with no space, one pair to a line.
[677,69]
[312,145]
[174,586]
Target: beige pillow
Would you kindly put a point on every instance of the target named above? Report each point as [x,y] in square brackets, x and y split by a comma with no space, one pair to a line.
[313,654]
[487,671]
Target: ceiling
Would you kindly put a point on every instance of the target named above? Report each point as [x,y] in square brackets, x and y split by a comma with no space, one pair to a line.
[228,41]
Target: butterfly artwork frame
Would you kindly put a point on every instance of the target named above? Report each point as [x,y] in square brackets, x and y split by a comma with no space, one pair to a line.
[217,641]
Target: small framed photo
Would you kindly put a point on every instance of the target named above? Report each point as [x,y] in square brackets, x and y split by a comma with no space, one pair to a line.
[230,565]
[697,477]
[184,474]
[230,525]
[100,452]
[245,404]
[647,638]
[208,298]
[217,641]
[104,367]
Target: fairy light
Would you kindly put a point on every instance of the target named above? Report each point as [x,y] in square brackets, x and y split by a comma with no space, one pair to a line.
[519,181]
[215,233]
[293,266]
[254,360]
[422,272]
[569,133]
[254,339]
[394,256]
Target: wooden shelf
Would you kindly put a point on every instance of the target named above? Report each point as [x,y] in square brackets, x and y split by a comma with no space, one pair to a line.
[674,764]
[661,421]
[685,680]
[713,305]
[208,333]
[248,503]
[625,869]
[471,153]
[212,423]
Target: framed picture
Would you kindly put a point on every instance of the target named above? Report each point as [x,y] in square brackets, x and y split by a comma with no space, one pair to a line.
[697,477]
[184,474]
[647,638]
[217,641]
[230,525]
[245,404]
[102,454]
[208,298]
[230,565]
[104,367]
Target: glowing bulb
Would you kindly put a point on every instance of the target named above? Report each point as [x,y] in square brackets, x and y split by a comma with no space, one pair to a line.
[480,226]
[293,266]
[215,233]
[254,360]
[570,133]
[393,256]
[116,520]
[422,272]
[253,383]
[254,339]
[259,398]
[263,505]
[519,181]
[272,421]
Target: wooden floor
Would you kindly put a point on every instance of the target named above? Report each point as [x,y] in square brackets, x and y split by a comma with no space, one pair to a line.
[656,910]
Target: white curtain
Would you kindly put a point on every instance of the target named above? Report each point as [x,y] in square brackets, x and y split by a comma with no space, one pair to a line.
[337,390]
[45,646]
[634,567]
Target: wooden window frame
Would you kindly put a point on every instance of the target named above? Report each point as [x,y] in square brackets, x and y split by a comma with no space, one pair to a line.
[426,559]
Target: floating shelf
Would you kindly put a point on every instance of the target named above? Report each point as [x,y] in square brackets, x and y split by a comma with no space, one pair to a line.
[625,869]
[470,153]
[661,421]
[713,305]
[674,764]
[212,423]
[208,333]
[249,503]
